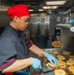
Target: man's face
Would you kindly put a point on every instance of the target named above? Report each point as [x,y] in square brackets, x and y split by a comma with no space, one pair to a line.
[22,22]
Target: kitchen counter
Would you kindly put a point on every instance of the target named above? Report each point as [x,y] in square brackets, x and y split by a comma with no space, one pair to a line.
[64,25]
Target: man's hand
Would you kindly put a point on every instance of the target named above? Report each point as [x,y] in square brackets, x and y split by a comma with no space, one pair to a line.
[36,63]
[51,58]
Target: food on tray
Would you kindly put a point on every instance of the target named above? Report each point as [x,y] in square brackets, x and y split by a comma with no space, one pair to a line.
[66,52]
[60,57]
[65,62]
[55,52]
[71,69]
[61,63]
[60,72]
[70,61]
[71,56]
[56,44]
[52,66]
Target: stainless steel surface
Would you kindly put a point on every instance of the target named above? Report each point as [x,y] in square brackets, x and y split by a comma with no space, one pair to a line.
[67,39]
[39,25]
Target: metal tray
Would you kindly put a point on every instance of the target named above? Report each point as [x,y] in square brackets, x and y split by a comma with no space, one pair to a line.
[51,72]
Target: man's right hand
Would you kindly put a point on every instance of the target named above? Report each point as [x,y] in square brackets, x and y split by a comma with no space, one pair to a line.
[36,63]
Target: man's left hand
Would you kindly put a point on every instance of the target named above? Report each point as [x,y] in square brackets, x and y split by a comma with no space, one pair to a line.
[51,58]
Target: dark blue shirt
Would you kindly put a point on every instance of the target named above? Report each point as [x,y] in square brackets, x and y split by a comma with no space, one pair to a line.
[13,45]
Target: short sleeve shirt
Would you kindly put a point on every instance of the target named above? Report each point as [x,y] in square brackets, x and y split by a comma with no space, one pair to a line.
[12,47]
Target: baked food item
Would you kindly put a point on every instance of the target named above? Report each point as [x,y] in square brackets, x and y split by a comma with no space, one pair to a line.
[61,63]
[66,52]
[71,69]
[71,56]
[60,57]
[70,61]
[56,44]
[54,52]
[52,66]
[60,72]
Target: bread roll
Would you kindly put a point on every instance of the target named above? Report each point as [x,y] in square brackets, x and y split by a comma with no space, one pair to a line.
[60,72]
[66,52]
[70,61]
[55,52]
[60,57]
[61,63]
[56,44]
[52,66]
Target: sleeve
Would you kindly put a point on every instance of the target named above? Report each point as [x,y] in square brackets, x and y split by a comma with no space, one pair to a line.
[7,52]
[28,43]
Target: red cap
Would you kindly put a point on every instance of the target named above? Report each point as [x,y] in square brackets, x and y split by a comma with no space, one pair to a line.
[18,10]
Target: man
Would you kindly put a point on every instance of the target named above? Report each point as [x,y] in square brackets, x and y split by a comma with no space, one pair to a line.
[14,46]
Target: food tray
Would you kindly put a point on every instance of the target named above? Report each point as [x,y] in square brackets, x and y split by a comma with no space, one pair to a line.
[51,72]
